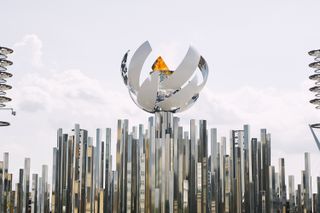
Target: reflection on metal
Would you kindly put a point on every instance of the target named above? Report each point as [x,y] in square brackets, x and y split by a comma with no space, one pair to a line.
[312,127]
[3,123]
[164,90]
[4,75]
[315,77]
[316,89]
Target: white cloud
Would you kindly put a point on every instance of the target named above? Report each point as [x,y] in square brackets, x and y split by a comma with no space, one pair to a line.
[32,48]
[286,114]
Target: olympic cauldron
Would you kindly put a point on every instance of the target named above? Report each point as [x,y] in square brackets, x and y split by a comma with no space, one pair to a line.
[164,90]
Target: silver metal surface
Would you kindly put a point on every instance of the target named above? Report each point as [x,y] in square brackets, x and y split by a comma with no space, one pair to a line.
[5,63]
[316,77]
[3,123]
[171,93]
[163,168]
[312,128]
[316,89]
[4,99]
[5,50]
[5,87]
[4,75]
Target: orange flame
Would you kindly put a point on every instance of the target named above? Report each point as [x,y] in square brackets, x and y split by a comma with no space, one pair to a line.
[160,65]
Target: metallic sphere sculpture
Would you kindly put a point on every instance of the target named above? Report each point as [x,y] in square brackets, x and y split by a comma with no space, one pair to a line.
[164,90]
[4,63]
[316,89]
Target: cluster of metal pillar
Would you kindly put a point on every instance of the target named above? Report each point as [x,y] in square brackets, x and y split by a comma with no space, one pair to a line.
[29,194]
[160,168]
[81,172]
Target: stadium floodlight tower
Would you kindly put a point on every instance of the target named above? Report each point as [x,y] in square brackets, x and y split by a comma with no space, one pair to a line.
[316,90]
[165,91]
[4,63]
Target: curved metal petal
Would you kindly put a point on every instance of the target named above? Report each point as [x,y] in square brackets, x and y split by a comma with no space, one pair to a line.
[186,96]
[136,64]
[203,67]
[184,71]
[189,104]
[181,97]
[147,94]
[124,69]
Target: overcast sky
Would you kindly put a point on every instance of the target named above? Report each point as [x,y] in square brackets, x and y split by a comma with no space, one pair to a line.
[68,54]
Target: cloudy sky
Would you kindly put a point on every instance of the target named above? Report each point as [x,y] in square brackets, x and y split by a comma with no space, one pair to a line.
[68,53]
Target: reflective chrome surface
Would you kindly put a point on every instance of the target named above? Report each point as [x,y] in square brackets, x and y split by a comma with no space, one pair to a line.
[316,77]
[3,123]
[170,93]
[4,75]
[316,89]
[5,51]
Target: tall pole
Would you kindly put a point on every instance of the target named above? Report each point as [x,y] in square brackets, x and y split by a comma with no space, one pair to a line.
[316,89]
